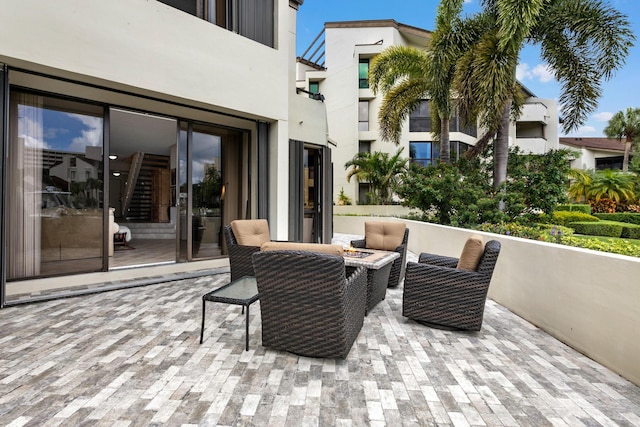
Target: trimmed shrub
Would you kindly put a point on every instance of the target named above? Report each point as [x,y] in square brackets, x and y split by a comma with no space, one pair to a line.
[628,217]
[630,231]
[574,207]
[600,228]
[566,217]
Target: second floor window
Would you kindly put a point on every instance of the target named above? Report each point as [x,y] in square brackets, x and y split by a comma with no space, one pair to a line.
[363,115]
[253,19]
[420,119]
[363,73]
[424,152]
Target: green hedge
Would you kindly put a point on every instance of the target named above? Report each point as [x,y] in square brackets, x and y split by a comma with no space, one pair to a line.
[629,217]
[630,231]
[600,228]
[574,207]
[566,217]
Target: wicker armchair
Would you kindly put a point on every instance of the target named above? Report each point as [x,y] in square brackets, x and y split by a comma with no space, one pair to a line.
[308,304]
[240,255]
[438,294]
[398,266]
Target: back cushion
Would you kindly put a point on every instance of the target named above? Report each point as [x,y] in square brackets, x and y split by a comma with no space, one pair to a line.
[383,235]
[471,253]
[251,232]
[310,247]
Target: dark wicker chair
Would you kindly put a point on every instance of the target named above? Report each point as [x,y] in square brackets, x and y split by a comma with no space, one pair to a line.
[398,266]
[439,295]
[308,304]
[239,256]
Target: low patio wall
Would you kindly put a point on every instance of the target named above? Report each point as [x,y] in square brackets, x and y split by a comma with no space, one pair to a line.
[587,299]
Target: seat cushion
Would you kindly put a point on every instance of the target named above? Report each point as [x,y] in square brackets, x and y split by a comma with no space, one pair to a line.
[471,253]
[251,232]
[383,235]
[295,246]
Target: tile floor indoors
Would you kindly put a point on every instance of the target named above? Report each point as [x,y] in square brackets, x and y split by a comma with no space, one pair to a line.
[132,357]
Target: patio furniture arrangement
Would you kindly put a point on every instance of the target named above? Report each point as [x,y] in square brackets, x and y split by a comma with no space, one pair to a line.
[243,291]
[244,238]
[308,305]
[450,293]
[379,265]
[387,236]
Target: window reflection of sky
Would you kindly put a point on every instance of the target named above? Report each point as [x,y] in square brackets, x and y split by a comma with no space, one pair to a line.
[206,152]
[62,131]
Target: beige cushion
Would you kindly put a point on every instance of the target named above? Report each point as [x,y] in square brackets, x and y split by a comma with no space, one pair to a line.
[471,253]
[310,247]
[251,232]
[383,235]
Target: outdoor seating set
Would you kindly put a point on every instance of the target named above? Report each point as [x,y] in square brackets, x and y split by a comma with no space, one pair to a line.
[314,297]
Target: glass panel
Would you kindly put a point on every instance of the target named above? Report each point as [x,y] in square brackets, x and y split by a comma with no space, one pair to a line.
[183,192]
[206,179]
[363,73]
[54,192]
[420,119]
[363,115]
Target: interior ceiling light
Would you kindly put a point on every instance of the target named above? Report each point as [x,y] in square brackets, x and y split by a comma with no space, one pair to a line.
[113,156]
[116,173]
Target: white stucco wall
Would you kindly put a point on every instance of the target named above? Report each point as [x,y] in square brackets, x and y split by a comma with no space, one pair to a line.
[150,48]
[586,299]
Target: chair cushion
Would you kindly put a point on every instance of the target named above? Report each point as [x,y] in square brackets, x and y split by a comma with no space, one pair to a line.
[471,253]
[251,232]
[295,246]
[383,235]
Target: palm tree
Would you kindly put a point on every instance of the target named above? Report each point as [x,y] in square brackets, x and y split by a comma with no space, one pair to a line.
[407,76]
[382,172]
[583,41]
[625,124]
[580,183]
[614,185]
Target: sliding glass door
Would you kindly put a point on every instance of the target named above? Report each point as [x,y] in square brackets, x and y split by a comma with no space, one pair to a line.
[54,186]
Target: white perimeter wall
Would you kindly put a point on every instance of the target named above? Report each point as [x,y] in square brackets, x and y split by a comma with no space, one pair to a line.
[589,300]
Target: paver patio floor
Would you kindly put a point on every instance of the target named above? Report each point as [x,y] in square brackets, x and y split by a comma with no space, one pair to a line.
[132,358]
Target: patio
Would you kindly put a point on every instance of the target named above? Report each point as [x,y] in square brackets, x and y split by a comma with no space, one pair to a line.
[132,357]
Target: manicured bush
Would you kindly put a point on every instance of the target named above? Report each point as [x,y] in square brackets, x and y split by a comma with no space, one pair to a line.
[574,207]
[600,228]
[630,231]
[629,217]
[566,217]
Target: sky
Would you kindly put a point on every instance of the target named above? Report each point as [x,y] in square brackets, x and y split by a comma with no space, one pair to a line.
[619,93]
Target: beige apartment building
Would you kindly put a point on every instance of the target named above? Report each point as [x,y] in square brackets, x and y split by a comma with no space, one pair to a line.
[335,67]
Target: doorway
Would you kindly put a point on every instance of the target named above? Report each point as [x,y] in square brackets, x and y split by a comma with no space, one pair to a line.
[142,153]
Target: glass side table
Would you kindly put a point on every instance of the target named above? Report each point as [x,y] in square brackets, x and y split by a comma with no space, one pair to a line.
[243,291]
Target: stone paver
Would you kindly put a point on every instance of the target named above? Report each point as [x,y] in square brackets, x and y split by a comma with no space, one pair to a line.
[132,357]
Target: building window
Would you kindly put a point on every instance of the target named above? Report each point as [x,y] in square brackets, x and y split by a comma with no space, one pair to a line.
[72,175]
[363,116]
[423,152]
[314,88]
[364,147]
[363,73]
[253,19]
[420,119]
[364,189]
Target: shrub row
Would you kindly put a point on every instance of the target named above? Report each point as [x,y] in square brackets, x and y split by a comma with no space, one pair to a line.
[629,217]
[574,207]
[606,229]
[566,217]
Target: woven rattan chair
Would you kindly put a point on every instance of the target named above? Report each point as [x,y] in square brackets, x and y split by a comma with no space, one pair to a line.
[239,255]
[438,294]
[307,304]
[398,266]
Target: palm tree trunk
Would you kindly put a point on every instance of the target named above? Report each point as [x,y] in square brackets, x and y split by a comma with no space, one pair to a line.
[445,152]
[501,148]
[627,150]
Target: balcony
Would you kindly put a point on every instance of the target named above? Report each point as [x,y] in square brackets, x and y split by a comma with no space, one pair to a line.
[534,112]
